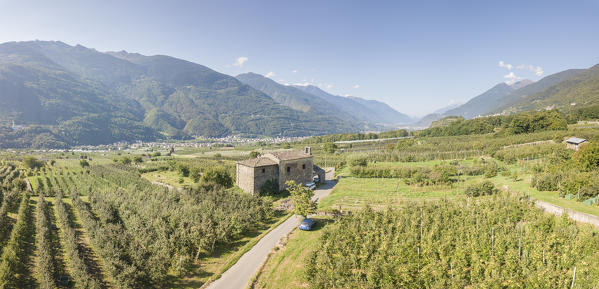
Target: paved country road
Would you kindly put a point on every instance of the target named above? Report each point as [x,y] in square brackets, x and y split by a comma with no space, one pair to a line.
[238,276]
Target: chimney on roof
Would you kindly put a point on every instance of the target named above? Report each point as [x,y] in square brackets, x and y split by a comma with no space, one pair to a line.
[308,151]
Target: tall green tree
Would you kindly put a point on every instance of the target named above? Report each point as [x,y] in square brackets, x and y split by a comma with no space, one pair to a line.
[302,199]
[587,157]
[217,175]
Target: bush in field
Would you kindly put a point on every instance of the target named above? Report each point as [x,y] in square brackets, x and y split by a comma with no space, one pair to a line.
[546,181]
[583,185]
[217,175]
[587,157]
[183,170]
[404,143]
[19,184]
[358,161]
[491,169]
[33,163]
[84,163]
[443,174]
[126,160]
[484,188]
[473,170]
[195,174]
[329,147]
[254,154]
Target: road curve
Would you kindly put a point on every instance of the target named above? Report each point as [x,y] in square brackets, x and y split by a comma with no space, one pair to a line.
[239,275]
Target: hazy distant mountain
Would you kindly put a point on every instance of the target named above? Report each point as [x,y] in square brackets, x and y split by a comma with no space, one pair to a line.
[427,120]
[520,96]
[550,90]
[69,95]
[297,99]
[521,83]
[365,110]
[447,108]
[483,103]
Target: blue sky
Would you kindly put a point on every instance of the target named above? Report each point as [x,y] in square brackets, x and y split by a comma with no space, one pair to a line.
[416,56]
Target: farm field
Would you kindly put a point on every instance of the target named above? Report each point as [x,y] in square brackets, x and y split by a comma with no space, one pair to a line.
[380,180]
[100,212]
[104,222]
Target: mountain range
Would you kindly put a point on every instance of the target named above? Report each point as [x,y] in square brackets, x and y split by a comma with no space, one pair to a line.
[61,95]
[312,98]
[563,90]
[73,95]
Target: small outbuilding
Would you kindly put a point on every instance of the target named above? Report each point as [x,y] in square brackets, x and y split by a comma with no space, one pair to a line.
[575,143]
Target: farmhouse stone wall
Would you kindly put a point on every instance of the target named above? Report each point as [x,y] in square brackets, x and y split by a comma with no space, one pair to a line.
[264,174]
[300,171]
[245,178]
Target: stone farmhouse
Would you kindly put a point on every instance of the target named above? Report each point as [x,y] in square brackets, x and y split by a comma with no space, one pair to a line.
[280,167]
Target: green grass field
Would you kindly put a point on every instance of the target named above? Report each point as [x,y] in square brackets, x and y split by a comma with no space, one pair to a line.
[171,178]
[353,193]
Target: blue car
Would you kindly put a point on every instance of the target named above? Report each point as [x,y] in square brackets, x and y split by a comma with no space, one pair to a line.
[307,224]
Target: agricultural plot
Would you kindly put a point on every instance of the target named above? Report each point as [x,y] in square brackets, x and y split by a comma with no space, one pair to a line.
[102,225]
[467,242]
[450,212]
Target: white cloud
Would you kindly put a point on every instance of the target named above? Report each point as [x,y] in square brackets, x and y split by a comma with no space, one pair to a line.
[240,61]
[356,86]
[537,70]
[329,86]
[503,64]
[511,78]
[270,74]
[294,71]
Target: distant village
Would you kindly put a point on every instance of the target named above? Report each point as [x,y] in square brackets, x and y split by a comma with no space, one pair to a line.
[224,142]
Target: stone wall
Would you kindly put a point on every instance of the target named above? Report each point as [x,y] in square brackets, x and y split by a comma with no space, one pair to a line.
[574,215]
[264,174]
[251,179]
[245,178]
[299,170]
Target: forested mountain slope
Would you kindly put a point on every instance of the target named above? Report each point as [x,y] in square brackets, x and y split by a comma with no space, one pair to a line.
[75,95]
[297,99]
[575,88]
